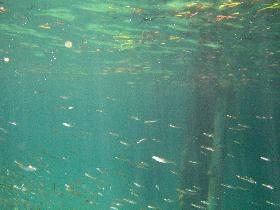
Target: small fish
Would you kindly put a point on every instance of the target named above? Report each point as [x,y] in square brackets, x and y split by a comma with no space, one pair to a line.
[207,148]
[247,179]
[209,135]
[150,121]
[137,185]
[152,207]
[64,97]
[168,200]
[45,26]
[157,187]
[28,168]
[161,160]
[68,125]
[174,126]
[265,159]
[268,186]
[141,140]
[13,123]
[135,118]
[90,176]
[129,201]
[124,143]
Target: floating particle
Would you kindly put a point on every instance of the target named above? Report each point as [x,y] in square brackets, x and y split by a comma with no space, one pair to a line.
[68,44]
[6,59]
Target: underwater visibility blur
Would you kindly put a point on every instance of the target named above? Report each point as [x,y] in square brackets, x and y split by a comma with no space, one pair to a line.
[139,105]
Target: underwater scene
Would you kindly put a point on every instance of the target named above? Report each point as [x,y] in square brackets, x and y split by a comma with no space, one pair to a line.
[139,105]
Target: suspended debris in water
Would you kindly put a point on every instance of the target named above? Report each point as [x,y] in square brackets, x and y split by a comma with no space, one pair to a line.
[28,168]
[268,186]
[162,160]
[68,44]
[247,179]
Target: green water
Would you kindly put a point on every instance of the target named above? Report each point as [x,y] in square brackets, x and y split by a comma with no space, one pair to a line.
[151,105]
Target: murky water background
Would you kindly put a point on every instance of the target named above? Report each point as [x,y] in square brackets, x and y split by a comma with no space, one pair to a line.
[139,105]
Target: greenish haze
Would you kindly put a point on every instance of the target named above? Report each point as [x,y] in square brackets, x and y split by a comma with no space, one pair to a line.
[139,105]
